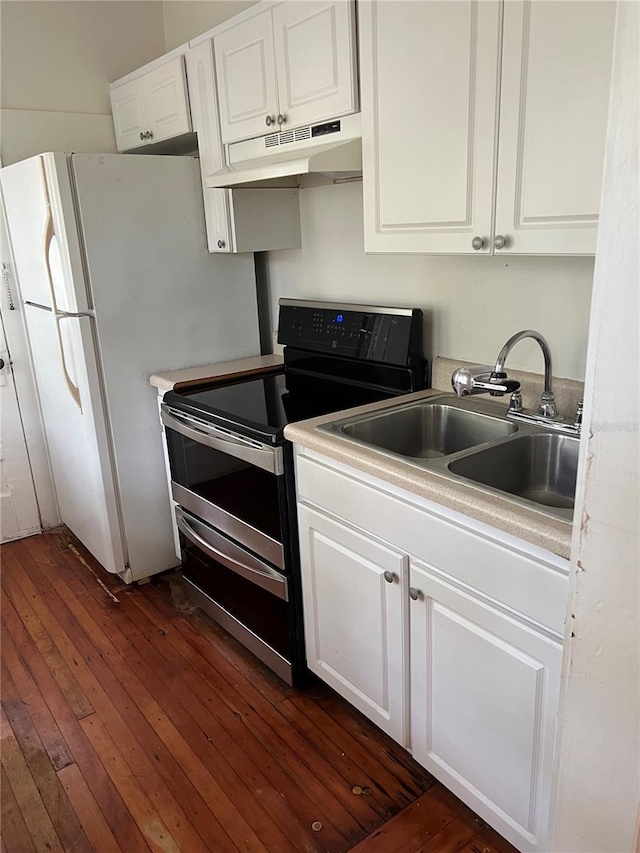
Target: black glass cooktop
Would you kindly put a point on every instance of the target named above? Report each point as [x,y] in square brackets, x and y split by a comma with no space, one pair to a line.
[263,407]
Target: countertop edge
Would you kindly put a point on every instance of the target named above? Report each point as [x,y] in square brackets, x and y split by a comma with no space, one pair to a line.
[203,373]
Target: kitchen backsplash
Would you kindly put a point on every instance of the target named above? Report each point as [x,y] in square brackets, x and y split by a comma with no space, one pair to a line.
[472,305]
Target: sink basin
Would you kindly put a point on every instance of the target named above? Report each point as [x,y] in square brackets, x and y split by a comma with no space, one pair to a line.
[427,430]
[539,468]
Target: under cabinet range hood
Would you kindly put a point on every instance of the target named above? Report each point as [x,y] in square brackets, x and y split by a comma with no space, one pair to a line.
[333,149]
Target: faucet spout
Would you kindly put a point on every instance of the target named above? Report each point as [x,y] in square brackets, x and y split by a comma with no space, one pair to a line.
[547,400]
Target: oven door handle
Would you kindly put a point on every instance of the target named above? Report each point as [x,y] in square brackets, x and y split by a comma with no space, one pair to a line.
[267,458]
[260,574]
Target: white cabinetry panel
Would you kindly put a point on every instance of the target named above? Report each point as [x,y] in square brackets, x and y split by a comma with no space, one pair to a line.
[429,93]
[151,105]
[484,692]
[315,60]
[204,112]
[166,101]
[129,118]
[555,91]
[354,618]
[246,78]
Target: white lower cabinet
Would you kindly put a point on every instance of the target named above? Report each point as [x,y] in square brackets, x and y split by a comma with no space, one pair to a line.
[355,618]
[484,694]
[406,621]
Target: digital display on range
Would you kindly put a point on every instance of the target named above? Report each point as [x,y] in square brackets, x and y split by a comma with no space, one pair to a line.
[356,334]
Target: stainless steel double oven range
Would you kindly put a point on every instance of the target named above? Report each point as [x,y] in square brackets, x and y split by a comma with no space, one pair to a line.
[232,469]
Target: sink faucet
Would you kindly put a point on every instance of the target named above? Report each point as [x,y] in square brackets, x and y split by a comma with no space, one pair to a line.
[493,380]
[547,407]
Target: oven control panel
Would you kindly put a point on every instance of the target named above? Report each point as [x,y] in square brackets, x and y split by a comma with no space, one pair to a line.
[364,332]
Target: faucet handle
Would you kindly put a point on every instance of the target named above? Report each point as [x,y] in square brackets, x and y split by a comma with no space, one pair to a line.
[515,403]
[547,406]
[577,421]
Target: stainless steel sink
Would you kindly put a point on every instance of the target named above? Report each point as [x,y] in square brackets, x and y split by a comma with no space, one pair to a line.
[427,430]
[471,440]
[539,468]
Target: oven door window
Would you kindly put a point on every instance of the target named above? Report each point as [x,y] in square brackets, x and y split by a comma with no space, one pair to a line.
[241,499]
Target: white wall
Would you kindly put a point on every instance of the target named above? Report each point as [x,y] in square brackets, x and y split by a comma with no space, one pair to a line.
[57,60]
[186,19]
[598,764]
[473,305]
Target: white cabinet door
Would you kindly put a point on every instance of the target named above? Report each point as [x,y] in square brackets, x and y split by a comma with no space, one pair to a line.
[204,112]
[484,690]
[166,101]
[246,78]
[315,60]
[429,91]
[556,75]
[355,618]
[129,118]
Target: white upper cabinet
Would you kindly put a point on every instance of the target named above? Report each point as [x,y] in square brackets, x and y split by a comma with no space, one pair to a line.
[556,70]
[429,81]
[315,60]
[204,113]
[246,76]
[151,105]
[438,79]
[129,120]
[242,220]
[290,65]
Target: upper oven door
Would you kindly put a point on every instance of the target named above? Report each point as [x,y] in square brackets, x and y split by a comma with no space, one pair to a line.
[229,480]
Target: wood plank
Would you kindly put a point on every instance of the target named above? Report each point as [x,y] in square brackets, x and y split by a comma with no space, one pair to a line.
[205,711]
[111,804]
[45,725]
[238,720]
[25,791]
[60,811]
[96,686]
[15,834]
[437,821]
[132,790]
[89,814]
[144,749]
[78,623]
[274,729]
[62,673]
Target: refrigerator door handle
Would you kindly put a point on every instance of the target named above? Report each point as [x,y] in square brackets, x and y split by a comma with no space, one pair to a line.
[49,234]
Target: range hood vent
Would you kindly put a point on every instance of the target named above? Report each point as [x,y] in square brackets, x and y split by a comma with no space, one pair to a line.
[333,149]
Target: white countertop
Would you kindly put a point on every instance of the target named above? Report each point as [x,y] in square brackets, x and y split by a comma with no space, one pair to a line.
[197,375]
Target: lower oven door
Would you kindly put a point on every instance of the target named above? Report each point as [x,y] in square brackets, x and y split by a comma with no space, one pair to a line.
[232,482]
[249,598]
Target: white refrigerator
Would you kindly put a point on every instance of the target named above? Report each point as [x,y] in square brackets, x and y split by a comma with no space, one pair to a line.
[117,282]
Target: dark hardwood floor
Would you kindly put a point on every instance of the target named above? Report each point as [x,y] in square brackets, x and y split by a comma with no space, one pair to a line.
[134,723]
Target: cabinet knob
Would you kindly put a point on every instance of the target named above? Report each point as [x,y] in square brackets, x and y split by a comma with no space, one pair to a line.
[149,135]
[281,119]
[2,368]
[221,244]
[141,135]
[390,577]
[500,241]
[477,243]
[269,121]
[414,594]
